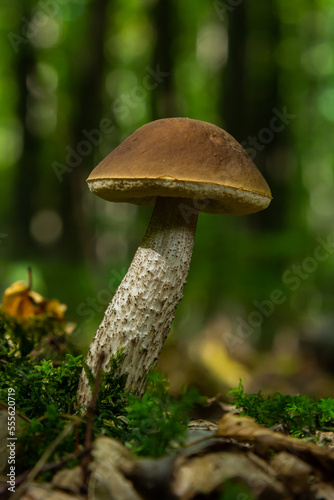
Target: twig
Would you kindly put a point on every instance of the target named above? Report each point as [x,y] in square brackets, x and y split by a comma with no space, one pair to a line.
[88,444]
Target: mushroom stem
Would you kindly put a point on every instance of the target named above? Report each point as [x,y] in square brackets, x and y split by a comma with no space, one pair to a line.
[139,316]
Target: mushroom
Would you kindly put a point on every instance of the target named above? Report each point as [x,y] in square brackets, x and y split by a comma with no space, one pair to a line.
[182,166]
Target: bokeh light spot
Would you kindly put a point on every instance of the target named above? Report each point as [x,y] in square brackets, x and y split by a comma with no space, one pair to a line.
[326,103]
[44,35]
[212,46]
[10,144]
[46,226]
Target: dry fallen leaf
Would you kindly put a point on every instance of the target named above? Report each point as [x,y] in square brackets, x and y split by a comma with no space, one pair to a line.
[322,491]
[68,480]
[293,472]
[111,461]
[22,303]
[218,361]
[265,441]
[205,474]
[44,492]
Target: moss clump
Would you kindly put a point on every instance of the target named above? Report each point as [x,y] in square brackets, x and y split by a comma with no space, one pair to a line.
[300,415]
[157,421]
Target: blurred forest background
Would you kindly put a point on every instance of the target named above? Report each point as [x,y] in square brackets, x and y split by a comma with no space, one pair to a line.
[79,76]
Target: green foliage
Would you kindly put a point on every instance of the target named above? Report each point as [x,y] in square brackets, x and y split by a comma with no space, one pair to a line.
[149,425]
[301,415]
[45,392]
[37,435]
[157,420]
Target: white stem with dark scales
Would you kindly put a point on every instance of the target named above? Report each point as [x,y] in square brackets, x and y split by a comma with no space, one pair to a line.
[139,317]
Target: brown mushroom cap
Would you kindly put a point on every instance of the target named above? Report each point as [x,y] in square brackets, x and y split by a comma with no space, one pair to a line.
[182,157]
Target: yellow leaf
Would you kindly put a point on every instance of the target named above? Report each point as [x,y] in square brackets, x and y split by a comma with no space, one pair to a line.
[55,308]
[22,303]
[219,362]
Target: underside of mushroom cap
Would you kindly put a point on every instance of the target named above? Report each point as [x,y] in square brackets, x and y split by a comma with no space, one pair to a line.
[182,157]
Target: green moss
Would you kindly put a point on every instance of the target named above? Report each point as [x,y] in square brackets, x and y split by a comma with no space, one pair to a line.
[157,421]
[45,392]
[301,415]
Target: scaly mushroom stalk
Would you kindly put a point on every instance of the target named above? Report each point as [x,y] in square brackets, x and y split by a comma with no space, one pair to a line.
[139,317]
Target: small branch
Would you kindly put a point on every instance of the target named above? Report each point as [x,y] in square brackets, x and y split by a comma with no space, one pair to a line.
[87,458]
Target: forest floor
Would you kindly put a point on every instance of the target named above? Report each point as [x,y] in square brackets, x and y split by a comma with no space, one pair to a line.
[234,458]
